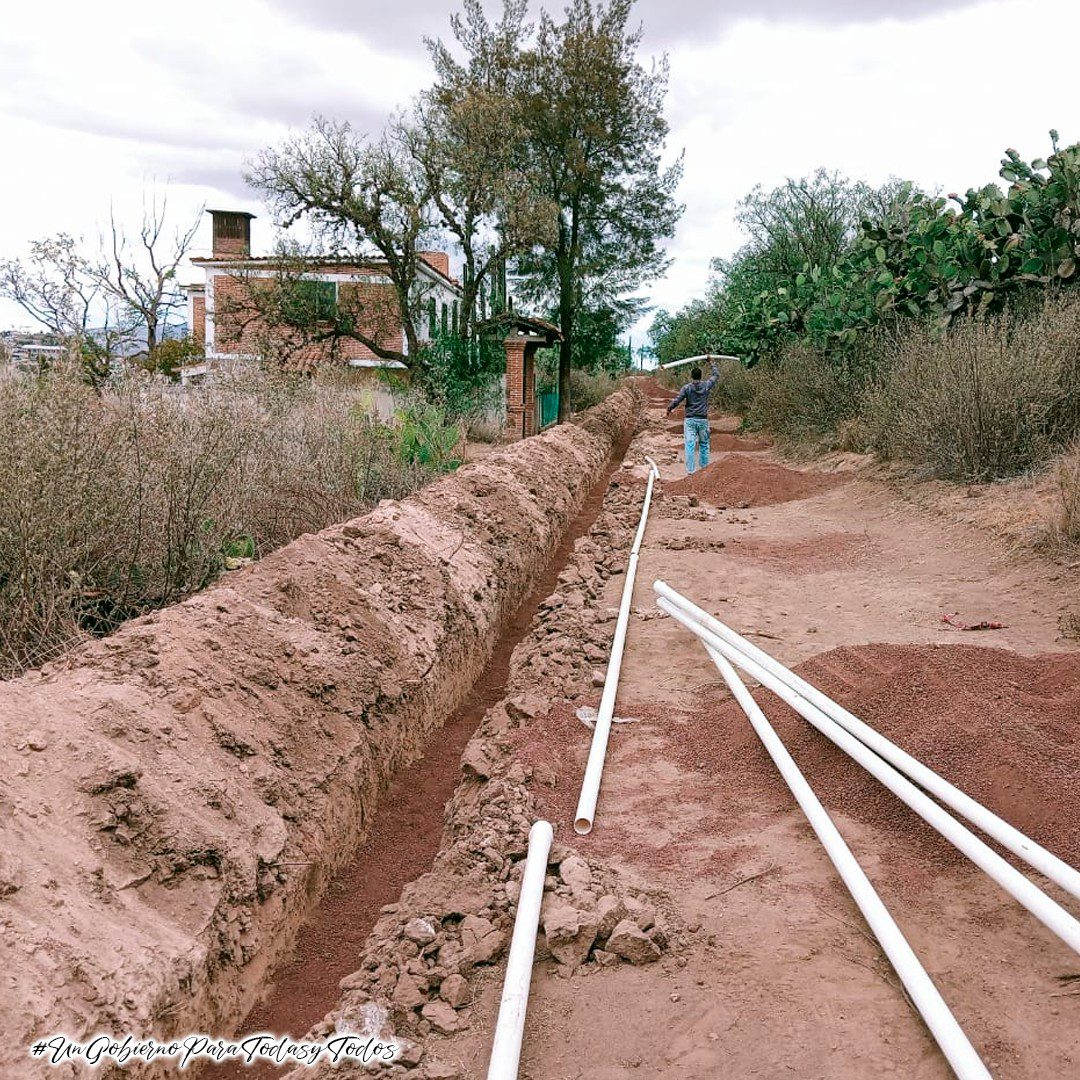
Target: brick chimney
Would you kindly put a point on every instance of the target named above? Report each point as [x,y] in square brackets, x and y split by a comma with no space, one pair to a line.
[232,233]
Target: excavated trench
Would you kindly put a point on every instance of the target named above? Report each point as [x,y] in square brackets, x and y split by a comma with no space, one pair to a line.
[405,836]
[199,779]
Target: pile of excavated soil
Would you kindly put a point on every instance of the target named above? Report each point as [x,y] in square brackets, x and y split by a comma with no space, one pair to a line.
[722,439]
[744,481]
[810,555]
[176,795]
[1001,726]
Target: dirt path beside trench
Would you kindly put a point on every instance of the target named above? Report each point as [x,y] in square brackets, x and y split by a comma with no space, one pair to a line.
[745,957]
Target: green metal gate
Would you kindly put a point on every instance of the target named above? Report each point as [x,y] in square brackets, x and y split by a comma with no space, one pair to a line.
[548,409]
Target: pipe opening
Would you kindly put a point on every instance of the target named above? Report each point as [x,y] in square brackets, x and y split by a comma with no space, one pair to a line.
[582,826]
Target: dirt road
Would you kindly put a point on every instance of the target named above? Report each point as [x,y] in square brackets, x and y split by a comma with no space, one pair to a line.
[772,972]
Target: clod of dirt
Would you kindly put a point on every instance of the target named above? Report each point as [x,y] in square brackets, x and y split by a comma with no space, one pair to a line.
[742,481]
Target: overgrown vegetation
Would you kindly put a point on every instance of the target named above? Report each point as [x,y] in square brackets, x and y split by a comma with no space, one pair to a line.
[941,332]
[118,502]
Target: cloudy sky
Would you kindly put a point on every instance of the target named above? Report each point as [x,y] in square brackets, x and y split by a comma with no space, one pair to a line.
[99,102]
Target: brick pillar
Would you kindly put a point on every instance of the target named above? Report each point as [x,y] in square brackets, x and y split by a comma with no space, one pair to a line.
[520,389]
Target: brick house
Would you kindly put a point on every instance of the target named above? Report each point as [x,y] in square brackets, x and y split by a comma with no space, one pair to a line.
[224,323]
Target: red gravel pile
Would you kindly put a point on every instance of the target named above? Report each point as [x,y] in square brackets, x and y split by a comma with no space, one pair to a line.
[738,481]
[1001,726]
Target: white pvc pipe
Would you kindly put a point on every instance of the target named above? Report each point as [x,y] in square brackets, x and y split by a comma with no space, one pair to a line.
[1047,911]
[691,359]
[948,1034]
[1005,834]
[510,1026]
[594,768]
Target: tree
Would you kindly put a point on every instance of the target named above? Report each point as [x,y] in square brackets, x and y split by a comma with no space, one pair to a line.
[140,275]
[468,137]
[363,200]
[58,287]
[55,286]
[807,222]
[595,131]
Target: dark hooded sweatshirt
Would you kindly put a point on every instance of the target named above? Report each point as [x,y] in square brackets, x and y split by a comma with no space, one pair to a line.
[696,396]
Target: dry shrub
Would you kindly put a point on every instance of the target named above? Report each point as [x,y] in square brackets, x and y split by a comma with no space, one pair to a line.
[802,397]
[986,398]
[588,388]
[117,503]
[734,391]
[1062,538]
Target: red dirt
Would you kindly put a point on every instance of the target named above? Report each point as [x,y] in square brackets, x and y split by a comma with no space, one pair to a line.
[998,725]
[812,555]
[743,481]
[721,439]
[401,845]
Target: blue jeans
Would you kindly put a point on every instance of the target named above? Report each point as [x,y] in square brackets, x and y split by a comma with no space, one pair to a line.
[696,432]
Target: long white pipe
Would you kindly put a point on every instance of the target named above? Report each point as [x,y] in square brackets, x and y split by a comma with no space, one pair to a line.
[1024,891]
[590,784]
[1005,834]
[510,1026]
[691,359]
[954,1044]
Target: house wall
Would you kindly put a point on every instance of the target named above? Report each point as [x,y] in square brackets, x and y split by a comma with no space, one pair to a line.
[231,327]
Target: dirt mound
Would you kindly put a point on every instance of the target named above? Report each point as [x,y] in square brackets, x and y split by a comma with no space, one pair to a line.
[812,555]
[176,795]
[1000,726]
[743,481]
[720,438]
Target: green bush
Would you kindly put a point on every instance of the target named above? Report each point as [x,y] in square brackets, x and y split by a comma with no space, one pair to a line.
[428,438]
[588,389]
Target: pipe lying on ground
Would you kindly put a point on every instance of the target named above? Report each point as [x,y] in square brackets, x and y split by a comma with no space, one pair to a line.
[590,784]
[1047,911]
[948,1034]
[1005,834]
[510,1026]
[691,359]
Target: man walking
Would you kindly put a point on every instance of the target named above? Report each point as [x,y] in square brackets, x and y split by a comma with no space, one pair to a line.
[696,423]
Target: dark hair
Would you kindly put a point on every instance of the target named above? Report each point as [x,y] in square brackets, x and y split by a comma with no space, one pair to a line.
[695,373]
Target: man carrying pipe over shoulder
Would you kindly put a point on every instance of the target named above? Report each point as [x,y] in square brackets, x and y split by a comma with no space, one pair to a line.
[696,423]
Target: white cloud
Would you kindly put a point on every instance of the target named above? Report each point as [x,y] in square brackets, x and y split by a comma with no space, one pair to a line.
[935,100]
[99,100]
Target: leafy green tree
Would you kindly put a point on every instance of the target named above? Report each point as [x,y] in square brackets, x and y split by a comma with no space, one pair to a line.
[468,137]
[595,132]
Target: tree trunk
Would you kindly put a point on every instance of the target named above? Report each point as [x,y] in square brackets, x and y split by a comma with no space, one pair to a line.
[566,325]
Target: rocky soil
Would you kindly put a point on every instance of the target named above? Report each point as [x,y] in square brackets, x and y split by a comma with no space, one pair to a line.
[419,969]
[748,958]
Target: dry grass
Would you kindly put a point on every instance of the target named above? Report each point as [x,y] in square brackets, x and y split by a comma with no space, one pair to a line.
[117,503]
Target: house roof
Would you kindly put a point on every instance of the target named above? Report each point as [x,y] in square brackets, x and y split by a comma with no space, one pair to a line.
[523,325]
[241,262]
